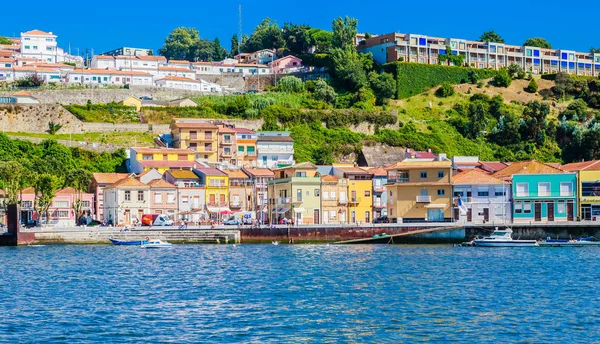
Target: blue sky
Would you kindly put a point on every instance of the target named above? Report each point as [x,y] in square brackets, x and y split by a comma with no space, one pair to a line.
[145,23]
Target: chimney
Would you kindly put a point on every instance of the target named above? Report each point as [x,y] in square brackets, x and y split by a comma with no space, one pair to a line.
[428,150]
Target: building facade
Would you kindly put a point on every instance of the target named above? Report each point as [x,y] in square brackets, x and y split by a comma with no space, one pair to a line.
[295,194]
[126,201]
[360,191]
[260,179]
[275,149]
[544,197]
[334,200]
[142,159]
[379,191]
[99,182]
[216,184]
[197,135]
[241,191]
[483,198]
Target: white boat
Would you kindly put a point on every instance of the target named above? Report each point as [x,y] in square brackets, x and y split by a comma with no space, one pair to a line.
[156,244]
[581,242]
[503,238]
[275,242]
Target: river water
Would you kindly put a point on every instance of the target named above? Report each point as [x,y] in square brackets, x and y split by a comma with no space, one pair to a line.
[298,294]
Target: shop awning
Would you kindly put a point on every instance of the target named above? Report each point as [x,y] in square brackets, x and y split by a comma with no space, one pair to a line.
[282,210]
[299,210]
[436,206]
[217,209]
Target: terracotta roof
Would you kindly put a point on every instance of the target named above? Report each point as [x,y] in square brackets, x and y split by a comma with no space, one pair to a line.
[593,165]
[329,178]
[104,57]
[166,163]
[6,53]
[192,125]
[38,33]
[23,94]
[34,69]
[226,130]
[6,59]
[474,177]
[152,58]
[110,72]
[209,171]
[243,131]
[236,174]
[377,171]
[183,174]
[352,170]
[127,182]
[176,69]
[276,138]
[160,183]
[179,78]
[28,190]
[526,167]
[492,166]
[108,178]
[179,62]
[148,150]
[67,191]
[259,172]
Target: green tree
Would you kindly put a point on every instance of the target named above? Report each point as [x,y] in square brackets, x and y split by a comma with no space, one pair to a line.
[45,187]
[290,84]
[534,122]
[266,35]
[6,41]
[347,69]
[506,131]
[477,120]
[383,86]
[538,42]
[445,90]
[532,87]
[324,92]
[235,46]
[12,175]
[454,59]
[321,40]
[297,38]
[344,32]
[53,128]
[219,53]
[502,79]
[595,50]
[79,180]
[491,36]
[182,44]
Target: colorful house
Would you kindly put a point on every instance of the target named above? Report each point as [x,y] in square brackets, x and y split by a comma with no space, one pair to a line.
[286,64]
[162,159]
[61,211]
[483,198]
[125,201]
[588,188]
[420,191]
[198,135]
[260,178]
[275,149]
[191,196]
[216,183]
[241,191]
[99,182]
[246,147]
[163,198]
[541,193]
[360,189]
[295,194]
[334,199]
[132,101]
[379,191]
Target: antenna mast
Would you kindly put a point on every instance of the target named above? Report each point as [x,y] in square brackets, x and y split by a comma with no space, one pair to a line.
[239,28]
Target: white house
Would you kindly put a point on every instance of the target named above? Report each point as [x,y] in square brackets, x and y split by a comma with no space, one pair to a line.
[182,83]
[275,148]
[192,196]
[43,46]
[103,62]
[221,68]
[126,200]
[109,77]
[481,198]
[263,56]
[162,72]
[139,63]
[46,74]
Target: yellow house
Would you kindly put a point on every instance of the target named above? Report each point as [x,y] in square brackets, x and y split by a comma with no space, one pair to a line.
[162,159]
[419,191]
[295,194]
[334,199]
[216,183]
[132,101]
[360,190]
[588,188]
[198,135]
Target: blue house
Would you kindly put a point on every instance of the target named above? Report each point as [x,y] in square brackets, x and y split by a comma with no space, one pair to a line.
[544,197]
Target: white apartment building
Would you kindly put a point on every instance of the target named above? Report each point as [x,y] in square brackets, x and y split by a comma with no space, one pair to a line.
[220,68]
[183,83]
[483,198]
[43,46]
[424,49]
[109,77]
[275,149]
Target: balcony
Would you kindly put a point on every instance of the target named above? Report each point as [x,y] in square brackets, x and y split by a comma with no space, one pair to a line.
[226,154]
[226,142]
[354,200]
[398,180]
[423,199]
[379,204]
[378,189]
[342,201]
[235,205]
[197,139]
[217,204]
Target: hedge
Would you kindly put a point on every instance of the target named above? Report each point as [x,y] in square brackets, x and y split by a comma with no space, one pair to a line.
[415,78]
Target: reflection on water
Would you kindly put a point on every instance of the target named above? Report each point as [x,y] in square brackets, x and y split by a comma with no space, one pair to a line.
[319,293]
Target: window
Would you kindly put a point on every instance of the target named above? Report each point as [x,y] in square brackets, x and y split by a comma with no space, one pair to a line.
[560,207]
[367,193]
[483,193]
[158,197]
[61,204]
[86,204]
[35,47]
[522,189]
[170,197]
[300,174]
[184,200]
[27,47]
[566,189]
[590,189]
[140,196]
[332,214]
[441,192]
[241,149]
[390,193]
[423,175]
[317,192]
[518,207]
[499,192]
[441,174]
[147,157]
[61,213]
[543,189]
[227,151]
[128,195]
[527,207]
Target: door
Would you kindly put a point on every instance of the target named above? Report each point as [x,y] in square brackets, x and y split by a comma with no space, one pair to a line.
[538,212]
[435,215]
[140,215]
[353,216]
[469,215]
[211,199]
[127,216]
[367,217]
[570,211]
[316,217]
[550,208]
[486,214]
[456,214]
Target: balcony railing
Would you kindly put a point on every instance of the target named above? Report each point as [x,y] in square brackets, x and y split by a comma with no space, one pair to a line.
[423,199]
[226,142]
[235,205]
[354,200]
[217,204]
[343,201]
[398,180]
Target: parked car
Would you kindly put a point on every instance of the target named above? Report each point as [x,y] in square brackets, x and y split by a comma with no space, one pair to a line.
[382,219]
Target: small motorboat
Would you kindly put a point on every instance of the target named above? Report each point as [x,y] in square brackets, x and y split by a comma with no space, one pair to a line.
[580,242]
[503,238]
[128,243]
[275,242]
[156,244]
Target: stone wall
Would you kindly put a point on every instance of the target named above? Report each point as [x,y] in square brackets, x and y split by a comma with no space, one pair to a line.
[35,118]
[92,146]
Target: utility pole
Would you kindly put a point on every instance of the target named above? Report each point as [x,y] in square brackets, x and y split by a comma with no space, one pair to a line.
[239,28]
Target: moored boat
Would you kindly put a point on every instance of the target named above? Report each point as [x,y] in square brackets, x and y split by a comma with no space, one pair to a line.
[128,243]
[156,244]
[580,242]
[503,238]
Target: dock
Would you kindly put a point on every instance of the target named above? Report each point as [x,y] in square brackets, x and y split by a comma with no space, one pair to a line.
[444,234]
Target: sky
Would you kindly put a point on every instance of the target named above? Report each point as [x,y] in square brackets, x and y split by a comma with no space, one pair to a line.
[108,25]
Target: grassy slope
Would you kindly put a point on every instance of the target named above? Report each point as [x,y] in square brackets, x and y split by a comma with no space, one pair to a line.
[115,138]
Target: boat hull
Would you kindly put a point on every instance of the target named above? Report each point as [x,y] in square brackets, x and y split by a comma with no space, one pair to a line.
[570,244]
[157,246]
[127,243]
[507,243]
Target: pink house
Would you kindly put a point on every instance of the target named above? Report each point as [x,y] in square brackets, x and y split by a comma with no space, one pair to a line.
[61,211]
[163,197]
[286,64]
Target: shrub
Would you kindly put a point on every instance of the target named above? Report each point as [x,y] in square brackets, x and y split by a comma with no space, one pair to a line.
[324,92]
[502,79]
[532,87]
[444,91]
[290,84]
